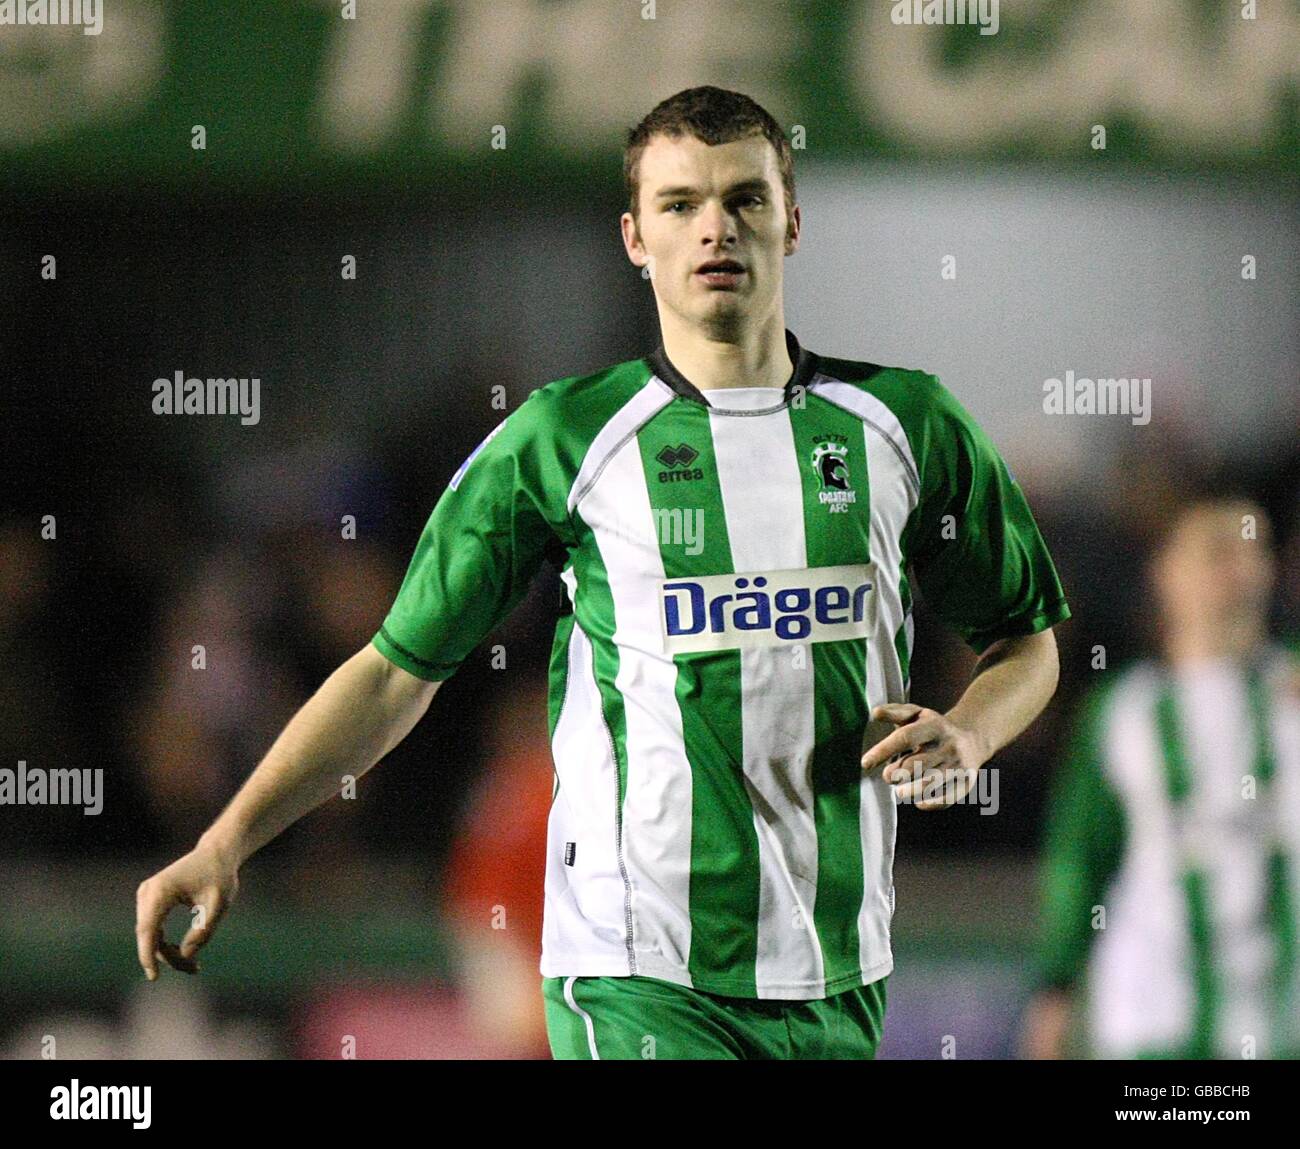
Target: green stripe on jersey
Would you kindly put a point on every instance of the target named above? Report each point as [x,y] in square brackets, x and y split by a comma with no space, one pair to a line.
[1281,908]
[1178,782]
[834,539]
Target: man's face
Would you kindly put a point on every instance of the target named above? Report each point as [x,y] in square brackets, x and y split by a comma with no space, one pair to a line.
[700,204]
[1209,573]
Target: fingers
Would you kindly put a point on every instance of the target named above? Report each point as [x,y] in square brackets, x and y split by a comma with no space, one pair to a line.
[150,910]
[928,782]
[172,955]
[914,777]
[938,789]
[910,737]
[921,758]
[896,712]
[154,899]
[910,768]
[209,907]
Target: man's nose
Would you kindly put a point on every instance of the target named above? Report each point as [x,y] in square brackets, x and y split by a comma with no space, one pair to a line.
[717,223]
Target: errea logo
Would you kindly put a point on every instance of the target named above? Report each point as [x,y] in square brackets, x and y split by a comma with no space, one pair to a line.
[678,462]
[767,608]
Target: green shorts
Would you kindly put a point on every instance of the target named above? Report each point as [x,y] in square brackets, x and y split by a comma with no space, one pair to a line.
[622,1018]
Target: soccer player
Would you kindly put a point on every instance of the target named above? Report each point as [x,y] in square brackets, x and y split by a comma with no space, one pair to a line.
[1174,827]
[738,522]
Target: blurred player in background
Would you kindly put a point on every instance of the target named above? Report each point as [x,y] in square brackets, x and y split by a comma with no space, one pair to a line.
[737,522]
[1173,833]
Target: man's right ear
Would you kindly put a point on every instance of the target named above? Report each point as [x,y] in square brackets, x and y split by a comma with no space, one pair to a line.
[632,239]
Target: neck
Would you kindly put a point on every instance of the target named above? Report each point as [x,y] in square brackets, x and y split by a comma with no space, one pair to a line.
[1199,641]
[755,356]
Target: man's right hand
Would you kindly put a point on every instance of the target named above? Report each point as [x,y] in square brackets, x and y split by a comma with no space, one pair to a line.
[206,878]
[357,715]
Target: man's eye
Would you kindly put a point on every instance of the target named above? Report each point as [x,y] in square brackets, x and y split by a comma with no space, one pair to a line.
[677,203]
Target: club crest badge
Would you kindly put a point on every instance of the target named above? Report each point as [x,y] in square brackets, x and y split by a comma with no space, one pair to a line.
[830,463]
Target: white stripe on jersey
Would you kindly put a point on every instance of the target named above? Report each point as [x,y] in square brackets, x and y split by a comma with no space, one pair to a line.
[658,801]
[765,525]
[1141,989]
[586,902]
[1214,717]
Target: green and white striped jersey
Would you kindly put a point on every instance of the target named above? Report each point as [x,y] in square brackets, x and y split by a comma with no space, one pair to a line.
[738,598]
[1177,813]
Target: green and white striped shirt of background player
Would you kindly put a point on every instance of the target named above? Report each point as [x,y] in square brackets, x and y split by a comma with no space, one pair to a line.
[737,601]
[1177,810]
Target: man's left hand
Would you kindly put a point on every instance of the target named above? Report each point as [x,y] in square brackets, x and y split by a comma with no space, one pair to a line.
[929,760]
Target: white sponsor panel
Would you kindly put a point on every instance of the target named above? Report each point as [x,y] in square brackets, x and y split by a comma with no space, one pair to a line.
[767,608]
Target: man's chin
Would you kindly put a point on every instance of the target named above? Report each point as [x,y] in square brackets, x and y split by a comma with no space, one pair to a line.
[722,314]
[720,303]
[724,325]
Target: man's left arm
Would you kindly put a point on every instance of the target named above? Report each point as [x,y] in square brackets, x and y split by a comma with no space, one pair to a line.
[1014,680]
[984,570]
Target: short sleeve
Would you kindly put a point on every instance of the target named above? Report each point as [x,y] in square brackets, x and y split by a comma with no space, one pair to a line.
[979,558]
[486,539]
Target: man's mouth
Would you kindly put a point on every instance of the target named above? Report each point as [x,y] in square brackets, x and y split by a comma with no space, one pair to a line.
[721,272]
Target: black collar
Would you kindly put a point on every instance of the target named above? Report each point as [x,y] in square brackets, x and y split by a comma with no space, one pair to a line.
[805,367]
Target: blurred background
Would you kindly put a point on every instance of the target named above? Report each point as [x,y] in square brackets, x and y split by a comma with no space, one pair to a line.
[402,223]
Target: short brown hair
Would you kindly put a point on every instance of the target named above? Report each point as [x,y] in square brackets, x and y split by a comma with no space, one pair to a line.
[712,116]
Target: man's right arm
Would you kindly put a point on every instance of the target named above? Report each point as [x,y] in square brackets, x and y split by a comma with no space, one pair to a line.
[485,540]
[364,709]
